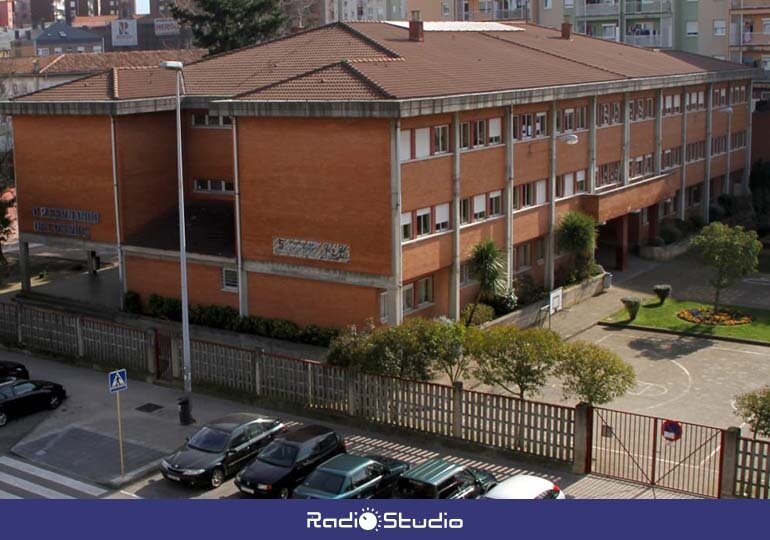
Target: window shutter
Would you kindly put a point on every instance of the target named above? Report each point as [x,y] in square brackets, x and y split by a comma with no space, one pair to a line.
[540,192]
[406,218]
[405,144]
[422,142]
[569,185]
[479,203]
[494,128]
[442,213]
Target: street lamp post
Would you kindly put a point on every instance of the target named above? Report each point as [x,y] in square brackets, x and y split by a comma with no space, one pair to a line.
[186,364]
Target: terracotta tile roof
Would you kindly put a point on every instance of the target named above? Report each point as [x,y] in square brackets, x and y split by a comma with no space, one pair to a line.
[25,65]
[336,82]
[367,61]
[94,88]
[92,62]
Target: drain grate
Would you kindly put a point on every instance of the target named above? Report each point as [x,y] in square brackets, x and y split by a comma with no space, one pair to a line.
[149,407]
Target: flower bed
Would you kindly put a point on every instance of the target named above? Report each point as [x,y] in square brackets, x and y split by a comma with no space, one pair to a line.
[702,315]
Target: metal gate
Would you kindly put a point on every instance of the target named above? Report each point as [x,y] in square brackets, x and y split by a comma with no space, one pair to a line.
[163,356]
[687,457]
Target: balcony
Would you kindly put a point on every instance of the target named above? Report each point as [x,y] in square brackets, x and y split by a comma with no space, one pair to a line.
[648,7]
[517,14]
[657,40]
[597,9]
[749,39]
[750,4]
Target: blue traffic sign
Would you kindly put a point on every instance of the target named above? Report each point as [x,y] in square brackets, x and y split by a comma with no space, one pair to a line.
[118,381]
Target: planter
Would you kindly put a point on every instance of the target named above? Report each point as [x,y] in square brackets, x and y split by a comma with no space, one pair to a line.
[664,253]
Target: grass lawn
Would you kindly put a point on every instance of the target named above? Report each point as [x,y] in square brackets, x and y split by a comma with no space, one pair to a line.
[652,314]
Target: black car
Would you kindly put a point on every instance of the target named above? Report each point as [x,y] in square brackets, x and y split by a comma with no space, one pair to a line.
[13,369]
[285,462]
[20,397]
[220,449]
[346,476]
[439,479]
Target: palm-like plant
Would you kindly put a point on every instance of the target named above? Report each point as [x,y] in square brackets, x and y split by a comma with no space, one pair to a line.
[488,269]
[577,234]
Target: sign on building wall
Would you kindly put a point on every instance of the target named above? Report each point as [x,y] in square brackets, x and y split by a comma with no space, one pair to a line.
[65,214]
[124,33]
[311,249]
[166,27]
[75,218]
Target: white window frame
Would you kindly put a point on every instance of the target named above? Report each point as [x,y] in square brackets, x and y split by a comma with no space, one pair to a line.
[426,282]
[495,200]
[494,133]
[230,279]
[407,292]
[720,27]
[442,218]
[479,210]
[209,186]
[419,230]
[421,143]
[691,28]
[222,122]
[441,140]
[547,4]
[406,219]
[541,192]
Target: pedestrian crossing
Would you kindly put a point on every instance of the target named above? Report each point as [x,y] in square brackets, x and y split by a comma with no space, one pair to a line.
[22,480]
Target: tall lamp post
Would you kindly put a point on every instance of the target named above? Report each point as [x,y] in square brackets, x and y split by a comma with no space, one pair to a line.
[570,139]
[186,364]
[728,110]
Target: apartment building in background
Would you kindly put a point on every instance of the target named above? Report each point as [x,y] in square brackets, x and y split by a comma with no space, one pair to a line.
[22,12]
[750,33]
[352,182]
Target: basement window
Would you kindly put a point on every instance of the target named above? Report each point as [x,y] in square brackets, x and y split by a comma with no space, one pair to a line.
[229,279]
[211,121]
[214,186]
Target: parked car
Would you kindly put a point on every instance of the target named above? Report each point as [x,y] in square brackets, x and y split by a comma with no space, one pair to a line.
[524,486]
[20,397]
[439,479]
[347,476]
[13,369]
[220,449]
[283,464]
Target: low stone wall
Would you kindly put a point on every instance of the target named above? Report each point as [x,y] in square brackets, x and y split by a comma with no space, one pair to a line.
[664,253]
[534,314]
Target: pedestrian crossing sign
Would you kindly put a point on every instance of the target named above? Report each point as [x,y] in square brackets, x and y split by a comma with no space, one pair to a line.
[118,381]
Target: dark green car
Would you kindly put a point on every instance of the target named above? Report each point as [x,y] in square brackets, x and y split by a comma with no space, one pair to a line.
[347,476]
[439,479]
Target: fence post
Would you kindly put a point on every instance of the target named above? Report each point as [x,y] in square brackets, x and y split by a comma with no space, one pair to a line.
[151,335]
[175,371]
[19,326]
[350,382]
[728,462]
[584,428]
[79,333]
[256,363]
[457,409]
[309,383]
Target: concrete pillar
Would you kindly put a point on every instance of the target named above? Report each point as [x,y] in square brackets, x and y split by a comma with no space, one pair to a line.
[151,340]
[457,409]
[707,174]
[683,173]
[726,187]
[24,266]
[747,151]
[659,132]
[592,119]
[551,247]
[243,301]
[652,217]
[729,462]
[395,309]
[79,334]
[508,197]
[621,242]
[454,272]
[581,453]
[624,174]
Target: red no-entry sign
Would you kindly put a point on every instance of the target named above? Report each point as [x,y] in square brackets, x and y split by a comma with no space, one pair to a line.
[671,430]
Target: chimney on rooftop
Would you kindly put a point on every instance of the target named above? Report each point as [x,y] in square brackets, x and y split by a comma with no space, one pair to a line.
[416,31]
[566,30]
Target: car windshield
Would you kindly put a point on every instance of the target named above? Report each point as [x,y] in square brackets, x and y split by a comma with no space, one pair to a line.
[325,481]
[209,440]
[279,454]
[413,489]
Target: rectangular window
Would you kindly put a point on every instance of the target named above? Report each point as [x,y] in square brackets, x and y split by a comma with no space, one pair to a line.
[229,279]
[692,28]
[616,113]
[558,122]
[524,196]
[605,118]
[465,135]
[442,217]
[720,27]
[407,297]
[495,130]
[524,256]
[516,127]
[547,4]
[541,124]
[213,186]
[560,186]
[441,140]
[540,192]
[465,274]
[580,181]
[668,107]
[639,109]
[445,9]
[480,133]
[425,291]
[421,143]
[540,250]
[569,119]
[406,226]
[465,211]
[423,222]
[526,126]
[677,103]
[479,207]
[581,118]
[405,144]
[651,108]
[568,185]
[495,203]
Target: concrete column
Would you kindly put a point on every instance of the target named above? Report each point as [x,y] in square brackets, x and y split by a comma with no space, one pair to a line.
[729,462]
[626,139]
[592,120]
[659,132]
[728,177]
[551,248]
[395,309]
[24,266]
[621,242]
[707,174]
[652,217]
[581,453]
[454,272]
[243,302]
[457,409]
[508,197]
[747,152]
[116,202]
[683,174]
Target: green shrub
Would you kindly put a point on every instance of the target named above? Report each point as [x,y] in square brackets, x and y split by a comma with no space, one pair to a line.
[315,335]
[632,304]
[283,329]
[696,222]
[716,213]
[526,290]
[727,202]
[670,233]
[132,302]
[662,291]
[504,303]
[483,314]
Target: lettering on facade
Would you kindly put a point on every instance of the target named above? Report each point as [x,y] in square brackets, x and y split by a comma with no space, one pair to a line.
[311,249]
[63,229]
[66,214]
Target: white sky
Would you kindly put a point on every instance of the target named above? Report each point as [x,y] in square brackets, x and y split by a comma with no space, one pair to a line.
[142,6]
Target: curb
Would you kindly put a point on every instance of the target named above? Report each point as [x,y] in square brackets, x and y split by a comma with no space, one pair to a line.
[729,339]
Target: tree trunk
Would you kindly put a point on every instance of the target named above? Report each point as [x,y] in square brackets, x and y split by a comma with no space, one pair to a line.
[520,422]
[473,309]
[716,299]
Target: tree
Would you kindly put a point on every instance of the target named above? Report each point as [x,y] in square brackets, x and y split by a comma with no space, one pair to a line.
[754,408]
[593,374]
[731,253]
[6,224]
[224,25]
[577,234]
[487,268]
[449,348]
[518,361]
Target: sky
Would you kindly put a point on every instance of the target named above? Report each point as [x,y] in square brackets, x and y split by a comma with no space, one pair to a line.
[142,6]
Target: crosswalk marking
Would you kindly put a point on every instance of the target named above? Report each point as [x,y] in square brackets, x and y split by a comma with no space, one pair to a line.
[52,476]
[32,488]
[6,495]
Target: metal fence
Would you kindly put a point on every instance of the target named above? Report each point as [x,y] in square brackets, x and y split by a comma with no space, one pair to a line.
[49,331]
[9,323]
[111,344]
[752,475]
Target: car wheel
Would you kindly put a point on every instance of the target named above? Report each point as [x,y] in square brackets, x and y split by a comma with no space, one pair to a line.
[283,493]
[54,401]
[3,419]
[217,477]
